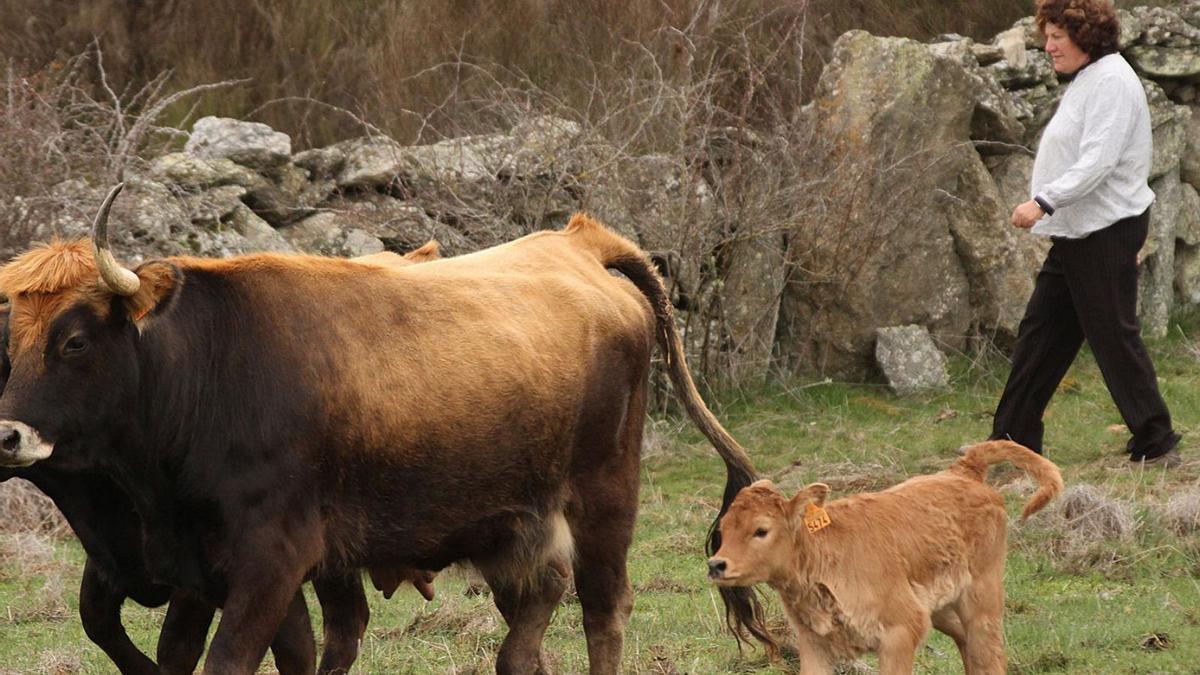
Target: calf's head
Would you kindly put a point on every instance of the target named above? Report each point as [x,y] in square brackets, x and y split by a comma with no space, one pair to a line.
[762,533]
[69,342]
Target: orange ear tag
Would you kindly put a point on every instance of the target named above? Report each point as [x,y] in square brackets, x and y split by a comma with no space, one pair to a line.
[815,518]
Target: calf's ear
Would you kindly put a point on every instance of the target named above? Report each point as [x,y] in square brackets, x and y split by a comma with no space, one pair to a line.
[815,493]
[798,508]
[764,484]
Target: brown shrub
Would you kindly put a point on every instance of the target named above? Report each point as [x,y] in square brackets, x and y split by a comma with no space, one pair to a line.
[25,509]
[380,58]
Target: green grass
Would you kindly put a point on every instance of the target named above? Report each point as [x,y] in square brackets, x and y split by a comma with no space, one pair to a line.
[1073,607]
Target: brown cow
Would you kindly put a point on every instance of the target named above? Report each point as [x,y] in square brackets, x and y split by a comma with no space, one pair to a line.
[275,414]
[873,571]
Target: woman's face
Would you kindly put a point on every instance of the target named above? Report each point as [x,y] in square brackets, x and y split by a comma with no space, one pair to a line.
[1067,57]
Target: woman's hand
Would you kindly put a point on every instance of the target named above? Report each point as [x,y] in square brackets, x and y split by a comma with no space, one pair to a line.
[1026,214]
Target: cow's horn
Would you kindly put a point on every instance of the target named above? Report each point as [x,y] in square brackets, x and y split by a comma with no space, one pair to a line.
[120,280]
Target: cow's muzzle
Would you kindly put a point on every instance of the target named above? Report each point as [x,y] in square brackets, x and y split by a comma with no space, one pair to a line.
[20,445]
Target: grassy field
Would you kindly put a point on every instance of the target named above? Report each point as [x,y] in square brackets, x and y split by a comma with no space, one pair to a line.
[1117,591]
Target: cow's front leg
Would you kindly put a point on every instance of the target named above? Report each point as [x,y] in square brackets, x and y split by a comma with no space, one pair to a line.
[270,562]
[100,612]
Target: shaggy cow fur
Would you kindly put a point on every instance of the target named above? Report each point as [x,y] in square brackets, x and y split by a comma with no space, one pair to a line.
[873,572]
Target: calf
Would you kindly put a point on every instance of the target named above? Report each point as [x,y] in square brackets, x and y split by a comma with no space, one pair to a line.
[874,571]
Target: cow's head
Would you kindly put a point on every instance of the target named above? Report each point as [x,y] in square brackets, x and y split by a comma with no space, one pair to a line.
[760,534]
[70,342]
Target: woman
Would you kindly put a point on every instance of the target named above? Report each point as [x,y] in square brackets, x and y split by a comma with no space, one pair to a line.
[1091,198]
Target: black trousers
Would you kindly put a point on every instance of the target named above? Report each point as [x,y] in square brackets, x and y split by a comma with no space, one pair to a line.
[1086,289]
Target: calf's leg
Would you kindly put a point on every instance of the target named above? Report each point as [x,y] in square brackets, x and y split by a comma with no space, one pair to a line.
[983,616]
[946,620]
[814,659]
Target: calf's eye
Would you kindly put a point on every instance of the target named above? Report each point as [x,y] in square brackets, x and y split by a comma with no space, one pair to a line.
[760,532]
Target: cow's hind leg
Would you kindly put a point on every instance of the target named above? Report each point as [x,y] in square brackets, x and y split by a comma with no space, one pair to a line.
[527,603]
[295,653]
[262,587]
[602,514]
[184,630]
[344,607]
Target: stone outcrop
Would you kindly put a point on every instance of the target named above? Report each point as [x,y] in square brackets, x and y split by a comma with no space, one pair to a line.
[905,269]
[910,360]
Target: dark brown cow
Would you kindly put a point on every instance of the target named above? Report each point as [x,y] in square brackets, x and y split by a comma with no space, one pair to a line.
[275,414]
[104,520]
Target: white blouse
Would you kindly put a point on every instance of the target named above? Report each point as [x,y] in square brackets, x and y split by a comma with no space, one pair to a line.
[1094,157]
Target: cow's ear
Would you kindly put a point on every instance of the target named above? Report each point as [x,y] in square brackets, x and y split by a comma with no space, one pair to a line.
[160,283]
[430,250]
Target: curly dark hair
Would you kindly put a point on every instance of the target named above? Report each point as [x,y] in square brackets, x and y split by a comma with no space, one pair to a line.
[1091,24]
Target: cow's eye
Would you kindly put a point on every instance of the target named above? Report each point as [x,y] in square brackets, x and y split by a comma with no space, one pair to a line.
[760,532]
[75,345]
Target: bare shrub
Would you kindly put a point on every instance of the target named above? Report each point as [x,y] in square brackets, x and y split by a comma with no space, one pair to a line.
[25,509]
[64,127]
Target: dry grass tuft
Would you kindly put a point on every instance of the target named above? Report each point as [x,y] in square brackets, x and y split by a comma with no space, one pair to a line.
[46,604]
[60,662]
[1182,512]
[1090,515]
[452,621]
[29,554]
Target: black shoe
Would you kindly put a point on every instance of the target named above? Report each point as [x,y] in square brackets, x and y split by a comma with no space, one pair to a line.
[1168,459]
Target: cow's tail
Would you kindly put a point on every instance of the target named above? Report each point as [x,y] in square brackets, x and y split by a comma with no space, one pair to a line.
[743,611]
[1049,479]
